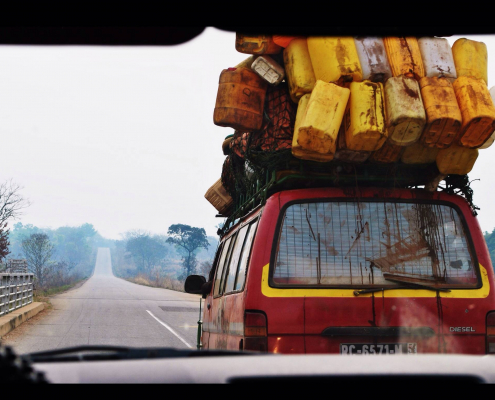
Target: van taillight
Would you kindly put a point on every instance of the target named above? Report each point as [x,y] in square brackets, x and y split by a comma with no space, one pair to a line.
[490,333]
[255,332]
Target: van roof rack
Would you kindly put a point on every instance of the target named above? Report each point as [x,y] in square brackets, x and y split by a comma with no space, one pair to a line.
[307,174]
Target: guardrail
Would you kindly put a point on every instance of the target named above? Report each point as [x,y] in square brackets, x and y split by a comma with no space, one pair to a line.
[16,291]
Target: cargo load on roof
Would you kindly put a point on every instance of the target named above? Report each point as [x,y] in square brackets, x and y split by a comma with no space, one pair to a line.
[347,111]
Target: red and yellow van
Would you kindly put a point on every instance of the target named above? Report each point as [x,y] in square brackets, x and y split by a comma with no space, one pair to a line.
[339,270]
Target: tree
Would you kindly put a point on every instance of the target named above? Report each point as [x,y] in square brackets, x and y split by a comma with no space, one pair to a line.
[4,241]
[38,252]
[147,251]
[73,245]
[205,268]
[11,201]
[188,239]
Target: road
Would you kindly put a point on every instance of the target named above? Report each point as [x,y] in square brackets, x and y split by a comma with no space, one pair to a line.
[107,310]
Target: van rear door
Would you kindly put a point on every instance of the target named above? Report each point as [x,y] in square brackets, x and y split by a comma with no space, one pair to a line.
[382,276]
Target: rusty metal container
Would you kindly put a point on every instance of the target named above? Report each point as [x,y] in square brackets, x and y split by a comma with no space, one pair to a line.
[418,153]
[404,56]
[219,198]
[388,153]
[373,59]
[471,58]
[298,69]
[456,160]
[240,99]
[256,44]
[405,115]
[437,57]
[443,116]
[321,122]
[364,121]
[335,59]
[477,110]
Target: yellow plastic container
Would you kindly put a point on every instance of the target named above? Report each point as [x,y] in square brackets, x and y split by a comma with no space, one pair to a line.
[320,123]
[388,153]
[418,153]
[240,99]
[365,117]
[456,160]
[298,69]
[477,109]
[345,154]
[334,59]
[297,150]
[443,117]
[219,198]
[471,59]
[404,56]
[256,44]
[491,139]
[405,115]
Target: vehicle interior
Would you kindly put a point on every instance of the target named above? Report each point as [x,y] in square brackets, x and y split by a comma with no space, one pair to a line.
[119,364]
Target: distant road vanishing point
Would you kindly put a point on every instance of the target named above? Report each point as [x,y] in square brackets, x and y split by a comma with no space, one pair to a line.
[107,310]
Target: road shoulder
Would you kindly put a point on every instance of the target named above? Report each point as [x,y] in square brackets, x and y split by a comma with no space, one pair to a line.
[12,320]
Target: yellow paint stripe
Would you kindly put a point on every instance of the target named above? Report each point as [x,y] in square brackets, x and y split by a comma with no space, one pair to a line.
[481,293]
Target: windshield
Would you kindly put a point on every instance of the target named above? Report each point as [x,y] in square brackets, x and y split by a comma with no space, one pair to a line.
[354,243]
[108,153]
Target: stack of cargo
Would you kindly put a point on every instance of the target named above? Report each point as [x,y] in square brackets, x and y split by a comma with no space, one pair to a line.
[357,100]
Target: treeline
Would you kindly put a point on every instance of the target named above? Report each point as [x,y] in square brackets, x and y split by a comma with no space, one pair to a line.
[164,260]
[57,257]
[490,243]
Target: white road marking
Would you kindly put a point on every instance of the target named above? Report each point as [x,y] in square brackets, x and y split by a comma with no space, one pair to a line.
[170,329]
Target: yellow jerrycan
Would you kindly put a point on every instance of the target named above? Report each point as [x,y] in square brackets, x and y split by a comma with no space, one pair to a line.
[477,110]
[404,56]
[256,44]
[443,117]
[345,154]
[418,153]
[491,139]
[219,198]
[456,160]
[388,153]
[471,59]
[405,114]
[240,99]
[321,121]
[298,69]
[364,120]
[334,59]
[297,150]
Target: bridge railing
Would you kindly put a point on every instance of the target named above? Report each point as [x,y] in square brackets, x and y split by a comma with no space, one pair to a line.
[16,291]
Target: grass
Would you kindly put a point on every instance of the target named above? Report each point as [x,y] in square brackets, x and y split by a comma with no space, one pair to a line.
[43,295]
[164,283]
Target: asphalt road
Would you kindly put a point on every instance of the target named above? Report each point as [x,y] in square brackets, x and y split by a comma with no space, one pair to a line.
[107,310]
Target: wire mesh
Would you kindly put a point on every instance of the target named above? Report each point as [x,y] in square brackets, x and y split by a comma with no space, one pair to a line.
[354,243]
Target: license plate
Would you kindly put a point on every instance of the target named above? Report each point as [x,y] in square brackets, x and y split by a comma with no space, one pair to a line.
[383,348]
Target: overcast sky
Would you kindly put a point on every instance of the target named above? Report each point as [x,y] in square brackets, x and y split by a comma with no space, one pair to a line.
[123,137]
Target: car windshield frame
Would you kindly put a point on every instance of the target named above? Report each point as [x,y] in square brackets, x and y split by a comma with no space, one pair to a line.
[390,285]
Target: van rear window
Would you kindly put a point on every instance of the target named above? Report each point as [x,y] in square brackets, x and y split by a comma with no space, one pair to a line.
[373,243]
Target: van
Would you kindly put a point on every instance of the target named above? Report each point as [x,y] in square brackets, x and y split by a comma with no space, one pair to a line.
[352,271]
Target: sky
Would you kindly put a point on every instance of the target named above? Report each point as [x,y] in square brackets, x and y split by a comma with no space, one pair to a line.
[123,137]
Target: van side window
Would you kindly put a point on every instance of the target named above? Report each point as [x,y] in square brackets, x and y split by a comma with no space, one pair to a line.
[234,260]
[220,267]
[246,251]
